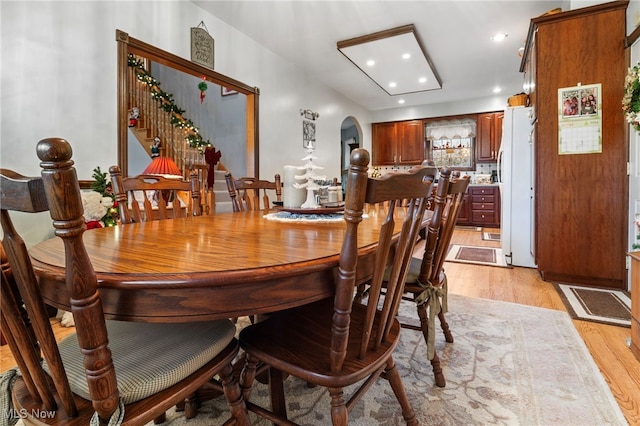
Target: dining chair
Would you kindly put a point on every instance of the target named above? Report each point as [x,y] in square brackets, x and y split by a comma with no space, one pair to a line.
[114,372]
[426,281]
[245,192]
[337,342]
[145,198]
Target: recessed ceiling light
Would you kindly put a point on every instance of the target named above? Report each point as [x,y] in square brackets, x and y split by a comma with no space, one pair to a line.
[499,36]
[400,101]
[497,90]
[371,62]
[392,84]
[422,79]
[406,56]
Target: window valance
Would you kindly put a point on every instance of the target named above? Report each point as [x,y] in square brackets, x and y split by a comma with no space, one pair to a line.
[451,129]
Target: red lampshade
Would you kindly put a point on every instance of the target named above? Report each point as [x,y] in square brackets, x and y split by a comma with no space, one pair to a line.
[162,166]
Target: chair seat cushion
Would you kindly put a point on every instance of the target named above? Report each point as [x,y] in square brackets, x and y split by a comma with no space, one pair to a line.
[150,357]
[412,273]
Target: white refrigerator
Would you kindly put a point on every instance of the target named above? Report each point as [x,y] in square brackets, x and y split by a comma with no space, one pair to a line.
[516,182]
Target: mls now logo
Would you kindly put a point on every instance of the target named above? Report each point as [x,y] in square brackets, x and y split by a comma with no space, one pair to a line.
[23,413]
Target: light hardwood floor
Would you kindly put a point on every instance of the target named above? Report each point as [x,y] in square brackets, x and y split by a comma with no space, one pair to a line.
[607,344]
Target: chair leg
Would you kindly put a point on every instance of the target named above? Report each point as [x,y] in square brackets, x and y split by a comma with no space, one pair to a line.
[233,395]
[190,406]
[339,413]
[160,419]
[424,325]
[276,390]
[424,321]
[445,328]
[397,386]
[248,375]
[437,371]
[360,292]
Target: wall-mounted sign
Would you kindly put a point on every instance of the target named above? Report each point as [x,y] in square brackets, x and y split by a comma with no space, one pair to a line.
[580,119]
[309,128]
[202,46]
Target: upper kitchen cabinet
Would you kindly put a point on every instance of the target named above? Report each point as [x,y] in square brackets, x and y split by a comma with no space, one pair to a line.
[528,67]
[489,136]
[580,197]
[397,143]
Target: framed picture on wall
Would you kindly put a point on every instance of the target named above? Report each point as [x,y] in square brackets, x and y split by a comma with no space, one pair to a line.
[226,91]
[308,134]
[202,46]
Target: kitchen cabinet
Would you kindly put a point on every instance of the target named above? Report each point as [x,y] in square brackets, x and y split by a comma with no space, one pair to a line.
[581,208]
[489,136]
[464,218]
[528,67]
[480,206]
[397,143]
[484,205]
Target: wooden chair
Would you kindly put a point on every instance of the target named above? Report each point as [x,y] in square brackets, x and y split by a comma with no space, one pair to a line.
[144,198]
[245,192]
[335,342]
[109,370]
[426,280]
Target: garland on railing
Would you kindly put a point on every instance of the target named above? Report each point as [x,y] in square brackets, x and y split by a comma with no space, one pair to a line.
[166,103]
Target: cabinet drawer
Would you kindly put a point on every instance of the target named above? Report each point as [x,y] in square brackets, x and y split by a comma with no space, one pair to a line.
[482,217]
[483,206]
[482,191]
[483,199]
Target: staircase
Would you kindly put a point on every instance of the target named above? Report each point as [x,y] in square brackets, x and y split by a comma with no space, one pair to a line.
[158,117]
[221,193]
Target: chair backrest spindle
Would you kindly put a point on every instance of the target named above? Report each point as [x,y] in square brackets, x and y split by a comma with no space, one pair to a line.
[66,211]
[406,195]
[245,192]
[27,194]
[144,198]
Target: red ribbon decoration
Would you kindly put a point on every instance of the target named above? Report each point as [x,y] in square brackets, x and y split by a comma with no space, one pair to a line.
[211,157]
[202,86]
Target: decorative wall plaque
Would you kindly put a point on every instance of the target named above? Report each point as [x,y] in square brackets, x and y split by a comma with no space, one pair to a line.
[202,46]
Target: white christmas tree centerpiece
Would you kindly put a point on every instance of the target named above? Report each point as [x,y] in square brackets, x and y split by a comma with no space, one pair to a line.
[310,177]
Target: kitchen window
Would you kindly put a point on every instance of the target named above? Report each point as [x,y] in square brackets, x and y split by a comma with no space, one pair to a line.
[451,143]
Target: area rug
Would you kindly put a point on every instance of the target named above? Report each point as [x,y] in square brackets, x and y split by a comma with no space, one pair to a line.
[487,256]
[509,365]
[491,236]
[603,305]
[468,228]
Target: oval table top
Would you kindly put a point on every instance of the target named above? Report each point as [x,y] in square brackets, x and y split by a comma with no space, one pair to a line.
[207,267]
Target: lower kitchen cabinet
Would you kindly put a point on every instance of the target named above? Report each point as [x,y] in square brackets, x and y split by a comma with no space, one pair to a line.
[481,207]
[464,218]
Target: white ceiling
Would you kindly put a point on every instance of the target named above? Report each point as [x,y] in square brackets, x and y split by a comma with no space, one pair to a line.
[455,34]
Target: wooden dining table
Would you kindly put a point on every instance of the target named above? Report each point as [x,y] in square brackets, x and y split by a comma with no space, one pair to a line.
[208,267]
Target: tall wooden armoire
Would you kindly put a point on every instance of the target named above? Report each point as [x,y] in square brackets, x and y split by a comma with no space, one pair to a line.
[580,197]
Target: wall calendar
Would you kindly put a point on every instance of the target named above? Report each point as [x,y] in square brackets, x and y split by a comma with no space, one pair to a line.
[580,119]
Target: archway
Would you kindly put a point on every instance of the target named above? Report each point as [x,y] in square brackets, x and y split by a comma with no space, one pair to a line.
[350,139]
